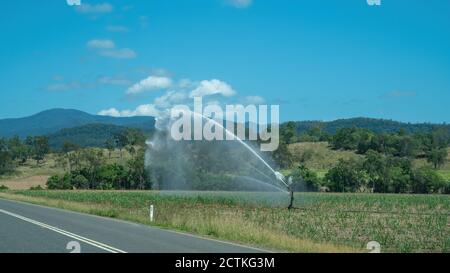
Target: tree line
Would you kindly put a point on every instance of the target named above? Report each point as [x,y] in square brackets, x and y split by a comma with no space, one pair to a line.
[90,168]
[387,166]
[15,152]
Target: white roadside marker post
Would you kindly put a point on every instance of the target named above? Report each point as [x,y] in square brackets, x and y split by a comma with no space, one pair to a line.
[152,209]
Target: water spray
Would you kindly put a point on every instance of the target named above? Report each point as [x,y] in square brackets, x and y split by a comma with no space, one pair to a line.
[277,181]
[290,187]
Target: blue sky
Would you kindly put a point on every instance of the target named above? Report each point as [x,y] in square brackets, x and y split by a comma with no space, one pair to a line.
[319,60]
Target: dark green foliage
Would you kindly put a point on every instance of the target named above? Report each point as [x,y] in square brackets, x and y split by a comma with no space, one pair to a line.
[91,172]
[6,161]
[282,156]
[36,188]
[137,176]
[97,135]
[40,148]
[377,126]
[3,188]
[384,174]
[347,176]
[58,182]
[78,181]
[314,134]
[351,139]
[19,150]
[387,173]
[427,180]
[288,132]
[305,180]
[437,156]
[68,147]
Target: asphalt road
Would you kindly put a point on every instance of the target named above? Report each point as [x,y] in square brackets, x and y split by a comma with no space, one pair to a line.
[26,228]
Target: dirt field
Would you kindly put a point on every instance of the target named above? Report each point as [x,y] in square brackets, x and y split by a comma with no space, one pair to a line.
[24,183]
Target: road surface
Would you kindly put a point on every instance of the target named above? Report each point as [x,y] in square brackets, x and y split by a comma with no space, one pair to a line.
[27,228]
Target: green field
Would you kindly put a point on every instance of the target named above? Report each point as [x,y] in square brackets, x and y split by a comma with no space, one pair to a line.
[321,222]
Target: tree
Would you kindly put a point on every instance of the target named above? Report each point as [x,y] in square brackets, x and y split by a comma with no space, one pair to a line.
[305,179]
[427,180]
[352,139]
[109,145]
[92,160]
[57,182]
[282,156]
[121,141]
[437,156]
[69,147]
[406,146]
[138,176]
[111,176]
[288,132]
[375,166]
[6,162]
[387,173]
[347,176]
[400,180]
[80,182]
[19,150]
[40,148]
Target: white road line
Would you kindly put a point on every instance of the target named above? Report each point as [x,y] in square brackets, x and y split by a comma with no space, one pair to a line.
[66,233]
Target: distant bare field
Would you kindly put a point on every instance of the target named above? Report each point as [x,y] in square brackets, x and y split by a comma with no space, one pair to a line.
[24,183]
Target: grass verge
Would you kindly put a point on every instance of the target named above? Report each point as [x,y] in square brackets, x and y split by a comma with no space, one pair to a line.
[202,219]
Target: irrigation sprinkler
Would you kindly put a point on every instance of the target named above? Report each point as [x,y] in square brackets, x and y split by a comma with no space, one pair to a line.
[289,185]
[291,191]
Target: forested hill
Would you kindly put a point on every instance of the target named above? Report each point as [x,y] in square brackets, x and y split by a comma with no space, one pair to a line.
[51,121]
[375,125]
[90,135]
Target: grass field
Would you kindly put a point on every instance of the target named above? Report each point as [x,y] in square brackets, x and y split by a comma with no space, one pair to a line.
[319,157]
[32,174]
[321,222]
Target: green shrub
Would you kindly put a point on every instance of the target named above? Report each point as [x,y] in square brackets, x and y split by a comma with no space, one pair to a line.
[427,180]
[57,182]
[305,179]
[36,188]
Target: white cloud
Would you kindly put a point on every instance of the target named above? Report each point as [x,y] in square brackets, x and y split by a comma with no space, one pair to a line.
[113,112]
[94,9]
[150,83]
[170,98]
[101,44]
[239,3]
[187,83]
[123,53]
[141,110]
[212,87]
[146,110]
[254,100]
[107,48]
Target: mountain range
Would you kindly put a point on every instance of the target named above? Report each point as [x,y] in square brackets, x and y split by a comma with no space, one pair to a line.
[88,130]
[54,120]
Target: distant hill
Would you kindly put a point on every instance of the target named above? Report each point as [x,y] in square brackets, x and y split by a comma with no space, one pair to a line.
[51,121]
[90,135]
[376,125]
[92,130]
